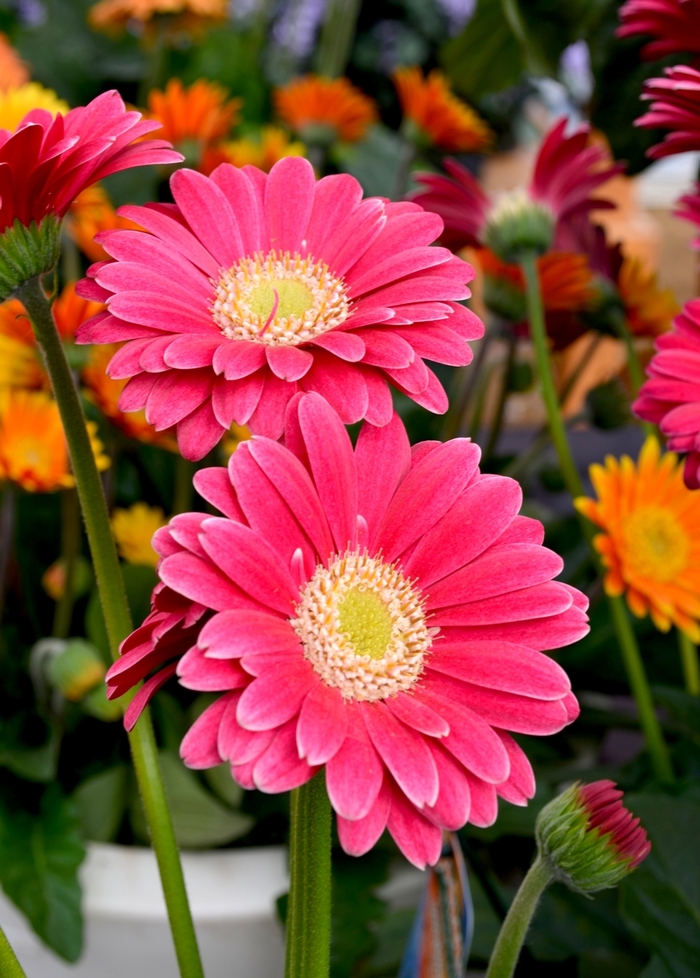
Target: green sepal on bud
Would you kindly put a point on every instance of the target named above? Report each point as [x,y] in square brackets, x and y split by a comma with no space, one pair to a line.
[27,252]
[588,839]
[519,226]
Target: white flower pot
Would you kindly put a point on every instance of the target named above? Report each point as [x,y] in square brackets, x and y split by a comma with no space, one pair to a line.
[232,893]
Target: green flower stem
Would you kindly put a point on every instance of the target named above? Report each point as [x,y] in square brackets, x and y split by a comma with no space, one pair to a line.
[9,965]
[118,621]
[512,935]
[7,534]
[337,37]
[183,493]
[309,908]
[634,365]
[499,413]
[625,633]
[70,549]
[689,661]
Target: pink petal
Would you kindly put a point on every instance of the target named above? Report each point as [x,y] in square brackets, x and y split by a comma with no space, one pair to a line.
[417,715]
[243,631]
[289,198]
[209,214]
[268,417]
[199,746]
[176,394]
[380,406]
[198,580]
[471,739]
[136,392]
[323,724]
[404,752]
[187,352]
[538,633]
[451,810]
[542,600]
[238,358]
[288,362]
[215,486]
[504,666]
[383,458]
[484,802]
[354,774]
[522,777]
[273,699]
[145,694]
[280,768]
[418,839]
[385,348]
[235,743]
[195,671]
[341,384]
[344,344]
[247,205]
[199,432]
[335,197]
[359,836]
[517,713]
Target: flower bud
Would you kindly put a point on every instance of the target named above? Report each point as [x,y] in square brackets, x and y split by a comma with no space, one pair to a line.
[76,670]
[519,225]
[588,839]
[26,252]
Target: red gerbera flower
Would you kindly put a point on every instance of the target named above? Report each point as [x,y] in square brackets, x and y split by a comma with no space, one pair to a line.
[567,170]
[255,286]
[671,395]
[674,24]
[381,612]
[675,105]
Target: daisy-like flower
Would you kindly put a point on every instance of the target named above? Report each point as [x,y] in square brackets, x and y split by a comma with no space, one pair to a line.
[670,397]
[675,105]
[15,103]
[105,392]
[45,164]
[133,530]
[193,118]
[272,145]
[649,310]
[90,213]
[381,612]
[650,546]
[255,286]
[567,171]
[178,14]
[436,116]
[33,448]
[672,23]
[13,71]
[325,110]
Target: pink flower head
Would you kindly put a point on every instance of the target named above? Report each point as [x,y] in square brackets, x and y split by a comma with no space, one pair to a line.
[675,25]
[671,395]
[380,611]
[253,287]
[675,105]
[567,170]
[602,802]
[47,161]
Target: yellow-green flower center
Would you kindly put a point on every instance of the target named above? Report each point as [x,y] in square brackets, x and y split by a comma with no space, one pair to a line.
[656,544]
[280,299]
[363,627]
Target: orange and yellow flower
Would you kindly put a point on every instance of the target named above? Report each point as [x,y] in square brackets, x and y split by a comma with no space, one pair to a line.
[90,213]
[193,118]
[133,530]
[16,102]
[182,14]
[20,361]
[272,145]
[650,546]
[13,71]
[566,279]
[648,309]
[33,449]
[104,392]
[325,109]
[70,311]
[439,118]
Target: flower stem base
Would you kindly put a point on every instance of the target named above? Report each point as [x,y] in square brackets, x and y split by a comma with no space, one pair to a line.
[512,935]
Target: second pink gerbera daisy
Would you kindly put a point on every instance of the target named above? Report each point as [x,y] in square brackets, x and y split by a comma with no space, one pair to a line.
[254,286]
[381,612]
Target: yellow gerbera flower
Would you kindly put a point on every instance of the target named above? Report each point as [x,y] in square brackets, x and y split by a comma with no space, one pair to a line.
[272,145]
[333,108]
[33,449]
[651,544]
[16,102]
[133,530]
[439,117]
[232,439]
[649,309]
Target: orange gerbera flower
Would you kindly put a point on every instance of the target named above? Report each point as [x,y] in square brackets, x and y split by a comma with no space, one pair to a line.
[104,392]
[649,309]
[193,118]
[90,213]
[184,14]
[13,71]
[70,311]
[566,281]
[33,449]
[20,361]
[650,546]
[439,118]
[323,110]
[274,143]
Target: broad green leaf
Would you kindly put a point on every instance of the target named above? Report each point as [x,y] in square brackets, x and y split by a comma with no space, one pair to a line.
[356,910]
[222,784]
[33,763]
[486,57]
[39,860]
[374,161]
[568,923]
[101,802]
[683,707]
[656,969]
[200,820]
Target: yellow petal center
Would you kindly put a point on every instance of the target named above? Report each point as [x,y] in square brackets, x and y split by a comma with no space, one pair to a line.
[365,621]
[656,543]
[281,297]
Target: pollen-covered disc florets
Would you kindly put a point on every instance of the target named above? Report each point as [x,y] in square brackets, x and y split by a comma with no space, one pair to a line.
[363,627]
[281,299]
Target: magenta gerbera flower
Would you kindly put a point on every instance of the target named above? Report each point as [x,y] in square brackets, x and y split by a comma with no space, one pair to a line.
[381,612]
[675,105]
[567,170]
[256,286]
[672,23]
[671,395]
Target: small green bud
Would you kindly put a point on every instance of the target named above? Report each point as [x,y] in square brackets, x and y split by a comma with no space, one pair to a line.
[76,670]
[517,226]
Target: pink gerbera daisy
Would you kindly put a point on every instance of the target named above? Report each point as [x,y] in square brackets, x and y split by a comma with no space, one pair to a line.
[381,612]
[567,170]
[255,286]
[671,395]
[675,25]
[675,105]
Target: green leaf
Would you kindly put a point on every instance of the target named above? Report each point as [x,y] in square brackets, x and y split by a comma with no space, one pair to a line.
[222,784]
[39,860]
[34,763]
[356,909]
[486,57]
[200,820]
[683,707]
[101,802]
[374,161]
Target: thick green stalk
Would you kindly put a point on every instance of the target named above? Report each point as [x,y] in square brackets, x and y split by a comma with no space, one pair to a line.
[625,634]
[183,493]
[117,619]
[499,413]
[9,965]
[510,940]
[337,37]
[70,549]
[309,908]
[689,661]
